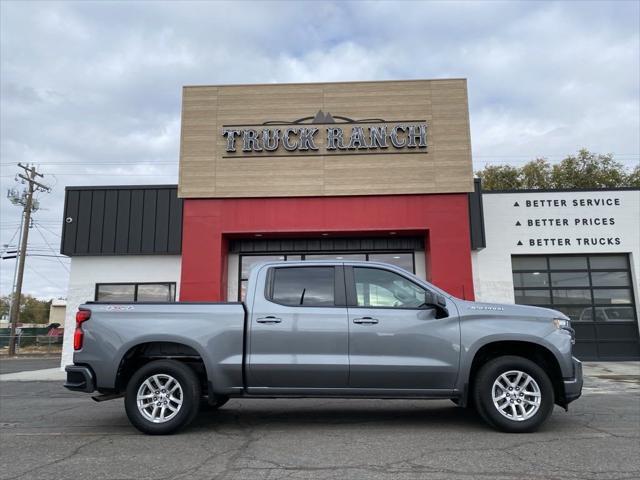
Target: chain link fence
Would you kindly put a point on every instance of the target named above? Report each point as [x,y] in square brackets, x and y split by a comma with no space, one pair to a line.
[32,344]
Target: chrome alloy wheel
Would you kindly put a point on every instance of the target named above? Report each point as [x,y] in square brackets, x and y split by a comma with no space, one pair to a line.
[516,395]
[159,398]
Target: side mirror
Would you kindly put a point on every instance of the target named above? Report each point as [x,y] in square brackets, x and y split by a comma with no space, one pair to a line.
[438,301]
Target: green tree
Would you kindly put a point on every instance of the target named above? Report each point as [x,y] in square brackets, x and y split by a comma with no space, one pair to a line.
[584,170]
[588,170]
[32,310]
[500,177]
[633,179]
[536,174]
[5,305]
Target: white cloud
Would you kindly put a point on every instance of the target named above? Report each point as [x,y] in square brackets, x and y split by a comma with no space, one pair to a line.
[91,90]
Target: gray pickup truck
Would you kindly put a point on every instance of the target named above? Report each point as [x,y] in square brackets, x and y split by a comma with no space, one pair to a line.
[326,329]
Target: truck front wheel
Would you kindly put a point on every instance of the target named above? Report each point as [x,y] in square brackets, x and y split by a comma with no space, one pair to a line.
[162,397]
[513,394]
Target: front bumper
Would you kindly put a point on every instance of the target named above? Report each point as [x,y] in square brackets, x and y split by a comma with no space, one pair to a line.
[573,386]
[80,378]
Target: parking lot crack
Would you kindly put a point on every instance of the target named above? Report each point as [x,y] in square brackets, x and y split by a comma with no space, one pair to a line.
[71,454]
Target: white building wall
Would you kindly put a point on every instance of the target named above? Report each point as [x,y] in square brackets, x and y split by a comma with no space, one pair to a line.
[553,223]
[85,272]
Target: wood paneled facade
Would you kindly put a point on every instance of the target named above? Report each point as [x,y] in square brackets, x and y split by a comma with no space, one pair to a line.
[207,170]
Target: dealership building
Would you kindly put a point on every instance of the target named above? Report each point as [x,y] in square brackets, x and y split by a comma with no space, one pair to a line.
[372,171]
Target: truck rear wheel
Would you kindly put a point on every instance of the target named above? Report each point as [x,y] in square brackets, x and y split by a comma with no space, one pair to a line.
[162,397]
[513,394]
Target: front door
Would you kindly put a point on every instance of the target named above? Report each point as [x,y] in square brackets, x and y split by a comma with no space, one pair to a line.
[298,330]
[395,340]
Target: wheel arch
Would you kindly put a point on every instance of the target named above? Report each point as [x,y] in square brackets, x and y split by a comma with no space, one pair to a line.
[534,351]
[146,351]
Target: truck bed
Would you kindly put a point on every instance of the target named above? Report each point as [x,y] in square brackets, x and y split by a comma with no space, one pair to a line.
[214,330]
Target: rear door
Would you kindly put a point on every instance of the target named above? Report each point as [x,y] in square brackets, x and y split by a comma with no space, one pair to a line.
[298,335]
[395,340]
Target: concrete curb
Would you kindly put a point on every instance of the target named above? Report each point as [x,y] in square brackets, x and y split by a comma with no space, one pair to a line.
[46,375]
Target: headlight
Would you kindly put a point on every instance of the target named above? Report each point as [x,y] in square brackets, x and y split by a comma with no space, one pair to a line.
[561,323]
[564,325]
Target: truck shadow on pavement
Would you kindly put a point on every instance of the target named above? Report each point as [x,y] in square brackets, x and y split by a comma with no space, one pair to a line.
[338,413]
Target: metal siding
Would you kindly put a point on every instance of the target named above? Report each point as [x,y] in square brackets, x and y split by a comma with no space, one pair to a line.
[69,230]
[122,221]
[325,244]
[340,244]
[175,224]
[162,221]
[353,244]
[96,222]
[84,222]
[135,221]
[149,221]
[109,223]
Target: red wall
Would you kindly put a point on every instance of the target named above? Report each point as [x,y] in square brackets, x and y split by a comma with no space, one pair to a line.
[209,223]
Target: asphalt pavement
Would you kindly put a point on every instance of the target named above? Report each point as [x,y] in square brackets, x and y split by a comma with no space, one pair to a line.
[48,432]
[22,364]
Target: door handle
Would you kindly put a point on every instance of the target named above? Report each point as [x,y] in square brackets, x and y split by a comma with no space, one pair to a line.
[269,319]
[365,320]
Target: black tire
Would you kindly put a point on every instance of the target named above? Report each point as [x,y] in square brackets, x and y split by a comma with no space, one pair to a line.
[191,394]
[220,401]
[483,394]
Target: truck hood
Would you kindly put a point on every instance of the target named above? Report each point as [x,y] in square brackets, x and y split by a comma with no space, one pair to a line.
[506,310]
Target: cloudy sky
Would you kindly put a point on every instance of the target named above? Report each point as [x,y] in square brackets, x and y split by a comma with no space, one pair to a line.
[91,90]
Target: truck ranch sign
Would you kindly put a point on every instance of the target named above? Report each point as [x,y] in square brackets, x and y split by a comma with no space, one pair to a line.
[293,137]
[317,139]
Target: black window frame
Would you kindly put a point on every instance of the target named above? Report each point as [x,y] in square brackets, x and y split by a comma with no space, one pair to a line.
[592,304]
[171,285]
[339,293]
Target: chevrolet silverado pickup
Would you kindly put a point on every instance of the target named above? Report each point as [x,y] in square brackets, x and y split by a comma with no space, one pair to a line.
[326,329]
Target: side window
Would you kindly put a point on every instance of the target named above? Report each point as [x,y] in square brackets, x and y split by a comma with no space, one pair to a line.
[381,288]
[156,293]
[135,292]
[303,286]
[116,293]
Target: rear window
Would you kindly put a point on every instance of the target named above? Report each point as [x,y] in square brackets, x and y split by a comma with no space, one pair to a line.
[304,286]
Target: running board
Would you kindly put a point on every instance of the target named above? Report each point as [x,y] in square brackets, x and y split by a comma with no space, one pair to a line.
[104,398]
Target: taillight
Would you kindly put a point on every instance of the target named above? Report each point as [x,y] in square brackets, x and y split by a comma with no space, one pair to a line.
[78,334]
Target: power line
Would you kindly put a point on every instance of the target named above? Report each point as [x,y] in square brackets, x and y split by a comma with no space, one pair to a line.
[99,163]
[105,174]
[50,247]
[50,231]
[41,275]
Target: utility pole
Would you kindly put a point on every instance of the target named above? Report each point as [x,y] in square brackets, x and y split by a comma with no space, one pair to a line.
[27,201]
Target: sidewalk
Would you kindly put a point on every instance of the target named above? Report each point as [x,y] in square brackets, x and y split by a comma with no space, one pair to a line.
[606,369]
[45,375]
